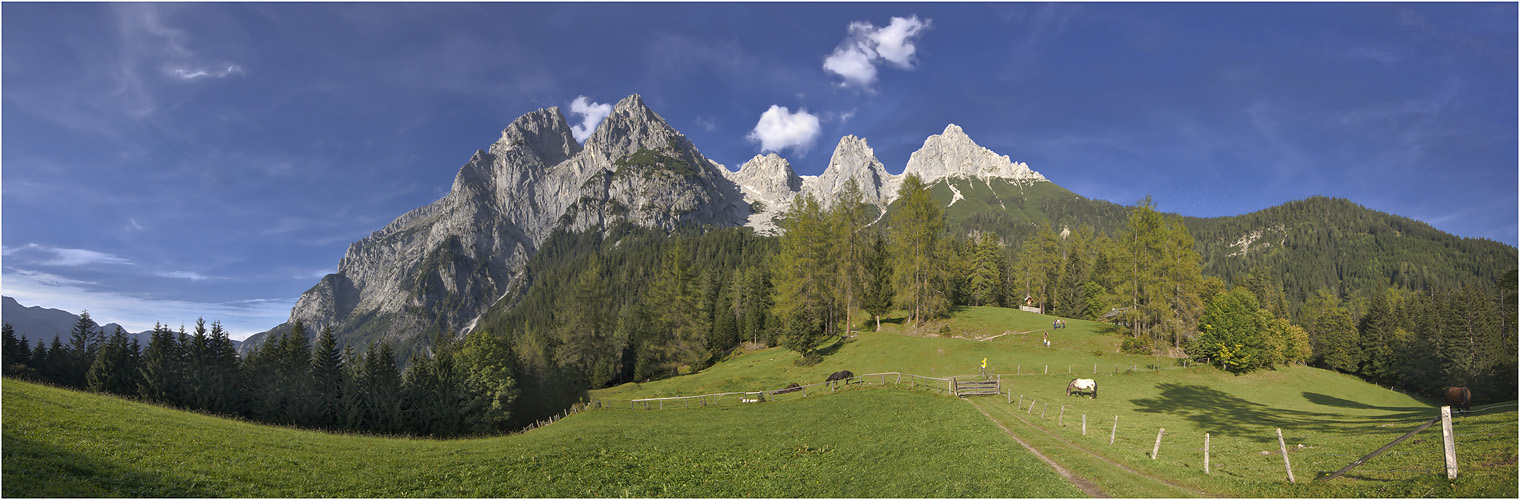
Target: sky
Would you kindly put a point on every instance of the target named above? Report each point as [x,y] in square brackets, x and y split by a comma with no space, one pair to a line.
[165,162]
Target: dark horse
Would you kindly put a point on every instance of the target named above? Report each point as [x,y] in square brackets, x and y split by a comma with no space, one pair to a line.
[844,375]
[1459,398]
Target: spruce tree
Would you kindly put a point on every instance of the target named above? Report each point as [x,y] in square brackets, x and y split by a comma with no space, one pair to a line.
[12,352]
[326,378]
[84,345]
[878,292]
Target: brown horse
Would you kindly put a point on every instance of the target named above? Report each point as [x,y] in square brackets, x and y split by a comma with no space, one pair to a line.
[1459,398]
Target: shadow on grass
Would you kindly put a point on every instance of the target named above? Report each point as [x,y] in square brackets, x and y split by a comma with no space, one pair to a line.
[1217,411]
[36,469]
[1328,400]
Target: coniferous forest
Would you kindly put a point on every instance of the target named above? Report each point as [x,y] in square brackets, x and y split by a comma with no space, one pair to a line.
[625,304]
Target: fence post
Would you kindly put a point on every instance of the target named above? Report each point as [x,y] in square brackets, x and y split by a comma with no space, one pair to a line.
[1157,449]
[1010,396]
[1205,453]
[1113,430]
[1284,448]
[1095,368]
[1084,424]
[883,379]
[1021,399]
[1044,409]
[1047,369]
[899,380]
[1031,407]
[1062,418]
[1448,443]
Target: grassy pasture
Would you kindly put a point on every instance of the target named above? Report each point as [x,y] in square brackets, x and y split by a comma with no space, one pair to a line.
[1336,418]
[856,443]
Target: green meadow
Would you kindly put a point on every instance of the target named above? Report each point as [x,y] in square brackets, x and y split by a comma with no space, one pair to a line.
[877,437]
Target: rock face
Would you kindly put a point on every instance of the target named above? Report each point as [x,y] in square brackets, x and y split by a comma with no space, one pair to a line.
[439,267]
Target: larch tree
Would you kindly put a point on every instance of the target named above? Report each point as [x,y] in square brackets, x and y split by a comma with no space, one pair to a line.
[917,273]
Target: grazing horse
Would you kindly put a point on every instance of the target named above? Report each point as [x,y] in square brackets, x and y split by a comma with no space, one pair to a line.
[1080,385]
[1459,398]
[840,375]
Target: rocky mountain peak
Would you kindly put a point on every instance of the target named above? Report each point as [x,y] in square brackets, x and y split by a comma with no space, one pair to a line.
[543,132]
[768,178]
[854,159]
[953,154]
[632,126]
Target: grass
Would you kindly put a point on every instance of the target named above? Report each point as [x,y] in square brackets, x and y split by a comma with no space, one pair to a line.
[921,351]
[851,443]
[1337,418]
[855,443]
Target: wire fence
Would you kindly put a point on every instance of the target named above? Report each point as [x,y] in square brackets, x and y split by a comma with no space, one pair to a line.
[1236,454]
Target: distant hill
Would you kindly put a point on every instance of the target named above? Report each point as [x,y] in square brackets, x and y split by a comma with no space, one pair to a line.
[38,323]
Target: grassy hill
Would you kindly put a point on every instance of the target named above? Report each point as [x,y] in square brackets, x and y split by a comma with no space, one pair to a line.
[861,441]
[1328,419]
[61,443]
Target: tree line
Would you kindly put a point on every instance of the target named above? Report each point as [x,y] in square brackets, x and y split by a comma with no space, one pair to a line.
[629,304]
[463,388]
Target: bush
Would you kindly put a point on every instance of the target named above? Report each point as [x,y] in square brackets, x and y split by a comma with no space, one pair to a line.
[1134,345]
[944,331]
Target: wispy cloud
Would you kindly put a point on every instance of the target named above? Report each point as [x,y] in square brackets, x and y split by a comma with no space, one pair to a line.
[855,60]
[591,113]
[184,275]
[65,257]
[199,73]
[136,312]
[779,128]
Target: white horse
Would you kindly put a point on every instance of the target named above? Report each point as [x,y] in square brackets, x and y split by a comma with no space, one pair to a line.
[1083,385]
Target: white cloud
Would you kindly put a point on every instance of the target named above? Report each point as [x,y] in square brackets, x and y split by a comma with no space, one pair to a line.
[852,62]
[591,114]
[855,60]
[779,128]
[895,42]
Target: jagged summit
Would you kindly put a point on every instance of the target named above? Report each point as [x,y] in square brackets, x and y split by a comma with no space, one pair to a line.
[854,159]
[953,154]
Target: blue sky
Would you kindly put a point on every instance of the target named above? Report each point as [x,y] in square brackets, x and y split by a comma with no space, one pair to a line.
[163,162]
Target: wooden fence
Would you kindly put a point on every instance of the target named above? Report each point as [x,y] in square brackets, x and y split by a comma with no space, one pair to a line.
[1276,454]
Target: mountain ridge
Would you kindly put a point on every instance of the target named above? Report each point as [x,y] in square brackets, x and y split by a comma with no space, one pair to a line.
[436,269]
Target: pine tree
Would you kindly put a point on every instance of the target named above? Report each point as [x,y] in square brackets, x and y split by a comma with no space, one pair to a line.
[115,370]
[199,390]
[12,353]
[805,301]
[673,304]
[878,292]
[223,372]
[917,273]
[585,334]
[160,372]
[382,389]
[848,220]
[326,390]
[986,272]
[84,345]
